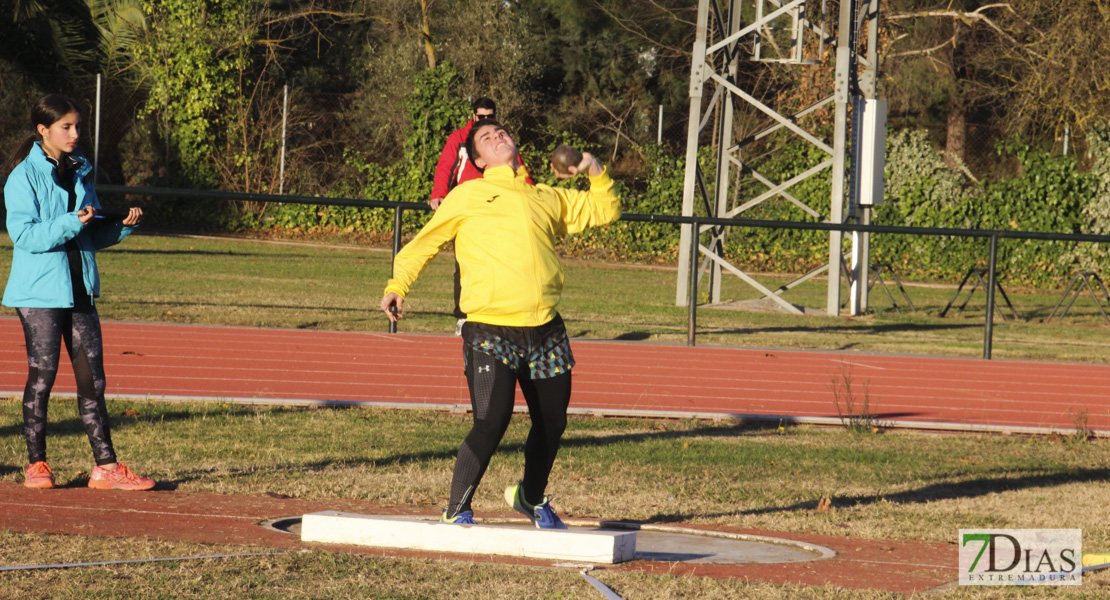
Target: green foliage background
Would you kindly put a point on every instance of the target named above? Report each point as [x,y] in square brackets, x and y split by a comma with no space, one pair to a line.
[433,111]
[1050,193]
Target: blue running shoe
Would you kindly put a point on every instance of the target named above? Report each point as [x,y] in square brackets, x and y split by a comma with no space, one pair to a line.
[466,517]
[541,515]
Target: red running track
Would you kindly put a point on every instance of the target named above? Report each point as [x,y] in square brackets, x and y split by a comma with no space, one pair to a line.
[613,378]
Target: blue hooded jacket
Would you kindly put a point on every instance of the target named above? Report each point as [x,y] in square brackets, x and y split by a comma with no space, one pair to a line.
[40,225]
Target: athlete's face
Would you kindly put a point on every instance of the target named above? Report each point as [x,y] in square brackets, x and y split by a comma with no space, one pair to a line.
[494,146]
[61,136]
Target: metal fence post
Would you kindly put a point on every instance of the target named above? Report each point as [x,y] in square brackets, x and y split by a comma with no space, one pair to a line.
[988,333]
[659,131]
[284,118]
[396,248]
[96,134]
[692,304]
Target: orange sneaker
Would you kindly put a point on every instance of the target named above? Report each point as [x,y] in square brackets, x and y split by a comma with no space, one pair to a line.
[120,478]
[39,476]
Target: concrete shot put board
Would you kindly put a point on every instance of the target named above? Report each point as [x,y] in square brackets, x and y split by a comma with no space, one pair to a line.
[591,546]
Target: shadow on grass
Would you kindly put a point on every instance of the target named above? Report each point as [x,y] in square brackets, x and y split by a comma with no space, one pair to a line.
[82,481]
[1083,316]
[505,448]
[168,303]
[848,328]
[842,328]
[229,254]
[446,451]
[370,314]
[972,488]
[72,426]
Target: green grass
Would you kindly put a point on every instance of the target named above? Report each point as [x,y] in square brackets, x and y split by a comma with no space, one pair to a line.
[896,485]
[332,575]
[338,287]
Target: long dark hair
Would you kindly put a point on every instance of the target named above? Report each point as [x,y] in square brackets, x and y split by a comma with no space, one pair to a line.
[47,111]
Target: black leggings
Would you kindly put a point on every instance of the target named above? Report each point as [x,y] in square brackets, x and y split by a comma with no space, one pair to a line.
[44,329]
[492,390]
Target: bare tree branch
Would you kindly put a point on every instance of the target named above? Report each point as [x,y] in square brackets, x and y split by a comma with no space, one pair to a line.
[619,128]
[969,19]
[639,32]
[329,13]
[924,51]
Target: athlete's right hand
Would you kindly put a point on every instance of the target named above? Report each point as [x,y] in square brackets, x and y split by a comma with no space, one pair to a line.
[393,305]
[434,203]
[589,165]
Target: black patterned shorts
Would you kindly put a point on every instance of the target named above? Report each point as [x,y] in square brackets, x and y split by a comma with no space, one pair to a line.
[544,350]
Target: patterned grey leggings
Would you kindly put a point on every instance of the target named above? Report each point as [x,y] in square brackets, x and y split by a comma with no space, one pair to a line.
[44,329]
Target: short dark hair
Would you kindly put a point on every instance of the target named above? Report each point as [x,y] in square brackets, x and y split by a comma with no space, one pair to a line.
[471,153]
[483,102]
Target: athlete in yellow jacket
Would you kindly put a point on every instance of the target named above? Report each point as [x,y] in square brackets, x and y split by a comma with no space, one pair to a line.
[505,231]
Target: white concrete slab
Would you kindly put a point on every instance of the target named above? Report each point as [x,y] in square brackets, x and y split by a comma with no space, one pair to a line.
[588,546]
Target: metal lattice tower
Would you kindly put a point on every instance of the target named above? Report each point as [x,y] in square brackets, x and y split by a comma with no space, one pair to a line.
[793,32]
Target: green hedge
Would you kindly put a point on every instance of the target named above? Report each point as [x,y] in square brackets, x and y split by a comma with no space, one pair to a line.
[1049,194]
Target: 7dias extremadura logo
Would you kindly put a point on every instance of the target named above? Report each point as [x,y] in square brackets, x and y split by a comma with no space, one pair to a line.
[1021,557]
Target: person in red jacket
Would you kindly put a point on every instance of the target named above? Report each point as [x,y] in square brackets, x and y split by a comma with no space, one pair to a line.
[454,168]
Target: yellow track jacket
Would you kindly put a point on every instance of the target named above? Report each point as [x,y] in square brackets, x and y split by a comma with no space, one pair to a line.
[504,231]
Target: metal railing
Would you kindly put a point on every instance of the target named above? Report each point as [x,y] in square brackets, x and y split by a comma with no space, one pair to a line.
[696,222]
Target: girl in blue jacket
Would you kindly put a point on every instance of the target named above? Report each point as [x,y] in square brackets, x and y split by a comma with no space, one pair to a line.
[56,230]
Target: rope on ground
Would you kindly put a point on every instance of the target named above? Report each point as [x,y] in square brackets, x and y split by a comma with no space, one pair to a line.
[136,560]
[601,587]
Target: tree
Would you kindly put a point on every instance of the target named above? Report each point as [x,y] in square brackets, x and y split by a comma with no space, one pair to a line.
[941,60]
[426,30]
[76,38]
[61,45]
[1055,67]
[213,74]
[192,65]
[493,48]
[612,62]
